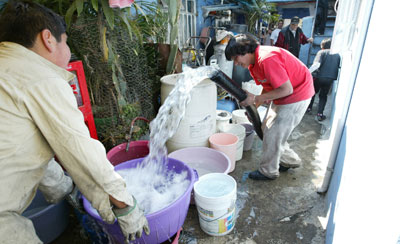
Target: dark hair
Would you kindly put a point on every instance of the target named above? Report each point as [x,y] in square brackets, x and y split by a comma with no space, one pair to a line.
[326,43]
[21,21]
[240,44]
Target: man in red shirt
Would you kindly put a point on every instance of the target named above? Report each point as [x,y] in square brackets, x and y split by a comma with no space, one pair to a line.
[288,84]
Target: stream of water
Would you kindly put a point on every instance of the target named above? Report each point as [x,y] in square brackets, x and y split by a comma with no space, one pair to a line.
[152,184]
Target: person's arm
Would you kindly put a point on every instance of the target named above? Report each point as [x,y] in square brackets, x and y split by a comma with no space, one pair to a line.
[284,90]
[55,185]
[54,110]
[304,39]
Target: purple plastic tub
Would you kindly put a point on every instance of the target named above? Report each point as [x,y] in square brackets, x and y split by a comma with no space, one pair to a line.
[164,223]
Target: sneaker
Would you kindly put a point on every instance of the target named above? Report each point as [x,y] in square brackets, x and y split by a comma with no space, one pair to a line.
[283,168]
[290,166]
[321,117]
[257,175]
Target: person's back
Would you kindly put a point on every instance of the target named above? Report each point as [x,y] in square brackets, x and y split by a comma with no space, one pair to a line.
[324,76]
[23,143]
[330,66]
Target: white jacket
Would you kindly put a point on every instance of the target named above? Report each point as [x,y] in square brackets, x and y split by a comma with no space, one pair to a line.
[39,117]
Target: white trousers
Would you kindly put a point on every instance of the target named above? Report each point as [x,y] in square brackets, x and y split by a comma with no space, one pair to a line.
[278,124]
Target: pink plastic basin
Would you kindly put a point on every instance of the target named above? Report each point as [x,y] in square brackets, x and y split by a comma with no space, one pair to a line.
[137,149]
[203,159]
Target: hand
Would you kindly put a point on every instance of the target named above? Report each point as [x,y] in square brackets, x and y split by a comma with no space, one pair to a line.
[132,221]
[250,99]
[259,100]
[310,40]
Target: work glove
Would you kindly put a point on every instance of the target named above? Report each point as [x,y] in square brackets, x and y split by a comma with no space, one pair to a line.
[132,221]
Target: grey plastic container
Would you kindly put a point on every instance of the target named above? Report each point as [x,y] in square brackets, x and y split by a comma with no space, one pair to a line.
[49,220]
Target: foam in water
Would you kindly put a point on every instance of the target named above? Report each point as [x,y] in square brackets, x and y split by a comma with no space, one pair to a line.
[157,194]
[152,184]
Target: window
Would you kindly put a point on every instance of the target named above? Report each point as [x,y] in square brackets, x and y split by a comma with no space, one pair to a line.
[187,21]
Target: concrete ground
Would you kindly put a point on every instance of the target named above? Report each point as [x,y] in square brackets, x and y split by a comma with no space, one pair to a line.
[283,211]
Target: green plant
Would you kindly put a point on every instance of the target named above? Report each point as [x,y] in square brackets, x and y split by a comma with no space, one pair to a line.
[118,64]
[174,7]
[256,10]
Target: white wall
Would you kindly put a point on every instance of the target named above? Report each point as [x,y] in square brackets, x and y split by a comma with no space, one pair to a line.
[367,207]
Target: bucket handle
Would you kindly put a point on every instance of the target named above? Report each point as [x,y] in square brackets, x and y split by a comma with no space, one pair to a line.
[196,175]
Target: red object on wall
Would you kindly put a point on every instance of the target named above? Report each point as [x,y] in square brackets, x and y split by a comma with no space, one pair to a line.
[79,87]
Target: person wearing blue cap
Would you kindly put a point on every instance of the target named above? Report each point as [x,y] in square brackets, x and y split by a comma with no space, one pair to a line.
[292,36]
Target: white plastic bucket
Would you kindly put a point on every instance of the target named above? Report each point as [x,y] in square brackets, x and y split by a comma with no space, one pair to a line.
[199,122]
[239,116]
[223,118]
[240,132]
[248,140]
[215,197]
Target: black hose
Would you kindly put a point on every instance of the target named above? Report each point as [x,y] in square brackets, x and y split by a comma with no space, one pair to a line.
[222,80]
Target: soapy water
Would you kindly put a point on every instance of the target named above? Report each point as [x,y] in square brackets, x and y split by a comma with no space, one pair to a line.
[154,191]
[202,168]
[152,184]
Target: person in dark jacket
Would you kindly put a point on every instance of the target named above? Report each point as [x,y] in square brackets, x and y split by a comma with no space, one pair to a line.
[292,36]
[322,15]
[325,75]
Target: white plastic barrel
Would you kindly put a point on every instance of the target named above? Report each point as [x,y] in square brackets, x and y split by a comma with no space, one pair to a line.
[215,197]
[199,122]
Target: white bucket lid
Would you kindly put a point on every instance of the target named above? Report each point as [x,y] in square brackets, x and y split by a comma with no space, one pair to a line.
[223,115]
[239,113]
[215,188]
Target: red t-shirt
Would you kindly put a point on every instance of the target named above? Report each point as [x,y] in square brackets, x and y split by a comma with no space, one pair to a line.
[274,66]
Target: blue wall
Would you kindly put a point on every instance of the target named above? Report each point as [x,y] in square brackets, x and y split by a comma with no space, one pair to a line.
[200,21]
